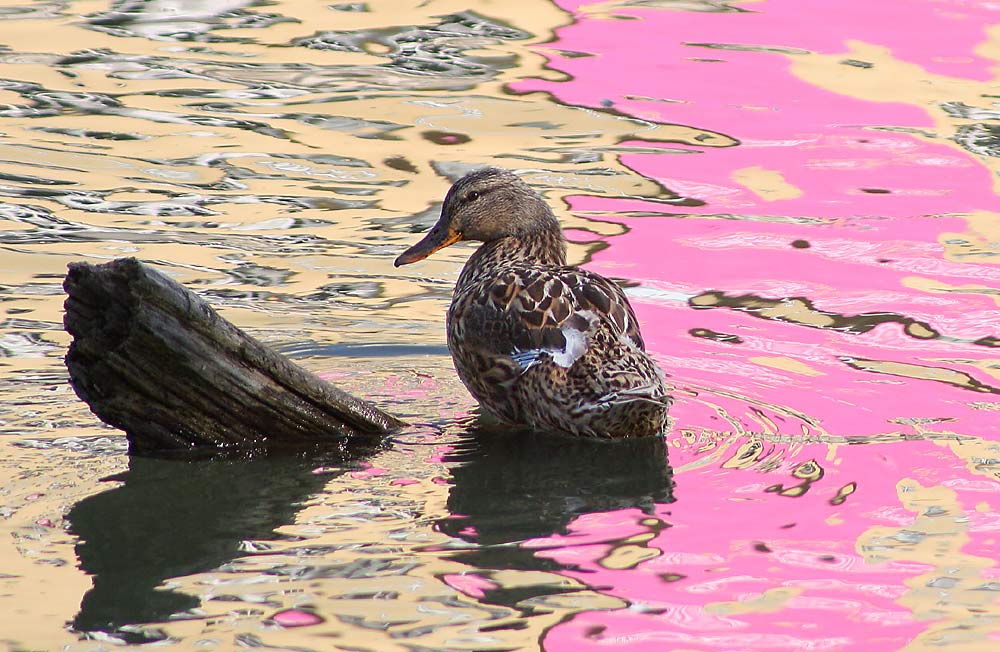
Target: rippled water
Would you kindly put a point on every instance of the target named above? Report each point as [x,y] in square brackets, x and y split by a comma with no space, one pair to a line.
[800,196]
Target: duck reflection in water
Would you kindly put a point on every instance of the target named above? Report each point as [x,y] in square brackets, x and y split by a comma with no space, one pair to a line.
[510,486]
[538,342]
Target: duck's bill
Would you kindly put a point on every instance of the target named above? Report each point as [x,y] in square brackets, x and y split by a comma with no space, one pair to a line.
[434,240]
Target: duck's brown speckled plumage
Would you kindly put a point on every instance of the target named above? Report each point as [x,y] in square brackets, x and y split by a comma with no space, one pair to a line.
[536,341]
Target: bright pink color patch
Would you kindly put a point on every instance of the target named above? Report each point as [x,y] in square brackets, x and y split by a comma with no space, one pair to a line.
[296,618]
[470,584]
[368,471]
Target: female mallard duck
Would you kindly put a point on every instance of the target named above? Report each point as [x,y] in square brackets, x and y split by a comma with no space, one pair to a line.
[536,341]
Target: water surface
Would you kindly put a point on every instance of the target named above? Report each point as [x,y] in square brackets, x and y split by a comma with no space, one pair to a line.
[800,198]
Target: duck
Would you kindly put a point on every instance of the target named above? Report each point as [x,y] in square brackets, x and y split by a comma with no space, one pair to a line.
[540,343]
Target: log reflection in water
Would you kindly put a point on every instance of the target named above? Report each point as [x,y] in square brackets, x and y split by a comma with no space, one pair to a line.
[173,518]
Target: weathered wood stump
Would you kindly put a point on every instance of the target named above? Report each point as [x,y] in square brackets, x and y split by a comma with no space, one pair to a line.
[155,360]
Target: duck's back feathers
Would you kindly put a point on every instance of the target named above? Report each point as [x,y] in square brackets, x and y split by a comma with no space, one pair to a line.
[552,346]
[542,309]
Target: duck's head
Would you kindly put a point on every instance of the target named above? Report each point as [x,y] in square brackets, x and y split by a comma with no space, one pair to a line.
[485,205]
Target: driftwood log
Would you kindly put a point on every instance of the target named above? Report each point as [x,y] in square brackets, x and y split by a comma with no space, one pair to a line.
[155,360]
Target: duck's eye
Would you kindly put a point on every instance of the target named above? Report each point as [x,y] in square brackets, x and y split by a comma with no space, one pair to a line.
[472,196]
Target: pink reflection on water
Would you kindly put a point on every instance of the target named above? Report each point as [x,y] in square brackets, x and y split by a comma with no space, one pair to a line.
[470,584]
[723,548]
[863,251]
[734,564]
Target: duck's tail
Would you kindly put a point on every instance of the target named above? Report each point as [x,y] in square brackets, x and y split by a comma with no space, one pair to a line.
[653,393]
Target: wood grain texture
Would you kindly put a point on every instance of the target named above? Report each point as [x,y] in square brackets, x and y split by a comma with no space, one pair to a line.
[152,358]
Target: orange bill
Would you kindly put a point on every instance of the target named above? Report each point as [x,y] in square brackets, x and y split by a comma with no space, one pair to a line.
[437,238]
